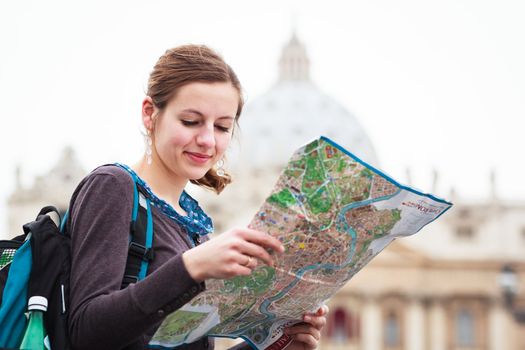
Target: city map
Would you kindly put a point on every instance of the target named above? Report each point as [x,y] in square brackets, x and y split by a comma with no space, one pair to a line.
[333,213]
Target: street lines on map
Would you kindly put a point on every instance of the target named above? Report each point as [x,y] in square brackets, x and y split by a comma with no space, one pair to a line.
[316,221]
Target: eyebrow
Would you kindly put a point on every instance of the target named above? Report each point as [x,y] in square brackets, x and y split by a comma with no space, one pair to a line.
[194,111]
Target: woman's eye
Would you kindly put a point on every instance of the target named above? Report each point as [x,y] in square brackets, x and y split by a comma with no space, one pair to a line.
[189,122]
[223,128]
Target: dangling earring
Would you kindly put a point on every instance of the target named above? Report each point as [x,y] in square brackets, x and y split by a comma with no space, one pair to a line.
[148,148]
[220,170]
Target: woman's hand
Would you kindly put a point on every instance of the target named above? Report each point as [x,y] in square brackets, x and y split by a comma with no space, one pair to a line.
[306,334]
[232,253]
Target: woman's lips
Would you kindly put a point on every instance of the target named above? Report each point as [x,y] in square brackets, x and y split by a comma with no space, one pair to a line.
[198,158]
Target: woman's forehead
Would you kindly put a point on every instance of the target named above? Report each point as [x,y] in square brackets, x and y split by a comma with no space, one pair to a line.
[220,99]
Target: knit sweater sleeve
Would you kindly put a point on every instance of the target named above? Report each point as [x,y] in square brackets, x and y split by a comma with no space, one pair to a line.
[103,316]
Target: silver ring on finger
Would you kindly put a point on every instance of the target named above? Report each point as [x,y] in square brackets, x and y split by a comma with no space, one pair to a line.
[248,263]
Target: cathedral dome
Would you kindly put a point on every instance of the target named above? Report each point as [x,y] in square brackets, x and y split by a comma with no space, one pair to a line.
[293,112]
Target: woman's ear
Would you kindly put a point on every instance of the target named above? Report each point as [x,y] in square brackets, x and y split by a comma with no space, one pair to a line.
[148,112]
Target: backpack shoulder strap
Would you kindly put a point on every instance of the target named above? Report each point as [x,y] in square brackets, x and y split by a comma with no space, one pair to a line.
[140,251]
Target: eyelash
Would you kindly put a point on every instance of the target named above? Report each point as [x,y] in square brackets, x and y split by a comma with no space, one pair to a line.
[189,122]
[193,123]
[223,128]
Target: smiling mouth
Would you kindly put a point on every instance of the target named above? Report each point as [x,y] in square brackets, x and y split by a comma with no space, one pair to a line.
[198,158]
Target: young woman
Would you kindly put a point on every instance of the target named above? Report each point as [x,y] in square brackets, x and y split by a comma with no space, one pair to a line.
[190,112]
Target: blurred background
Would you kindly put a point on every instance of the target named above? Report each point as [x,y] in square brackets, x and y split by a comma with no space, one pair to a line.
[432,93]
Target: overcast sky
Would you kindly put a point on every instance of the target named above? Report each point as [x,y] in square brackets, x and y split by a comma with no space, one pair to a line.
[436,84]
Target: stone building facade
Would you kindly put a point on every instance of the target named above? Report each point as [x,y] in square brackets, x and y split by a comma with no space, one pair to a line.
[54,188]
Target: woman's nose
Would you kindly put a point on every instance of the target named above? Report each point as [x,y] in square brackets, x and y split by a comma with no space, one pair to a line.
[206,137]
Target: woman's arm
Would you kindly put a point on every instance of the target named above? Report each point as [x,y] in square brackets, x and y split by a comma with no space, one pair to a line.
[101,314]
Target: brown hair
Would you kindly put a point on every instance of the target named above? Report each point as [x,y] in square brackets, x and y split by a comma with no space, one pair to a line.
[188,64]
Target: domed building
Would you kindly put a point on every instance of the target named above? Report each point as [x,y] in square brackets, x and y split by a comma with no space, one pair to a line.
[293,112]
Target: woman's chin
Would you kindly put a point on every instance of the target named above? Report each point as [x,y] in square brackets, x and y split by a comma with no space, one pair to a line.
[197,175]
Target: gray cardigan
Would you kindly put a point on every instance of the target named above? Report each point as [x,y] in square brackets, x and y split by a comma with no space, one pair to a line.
[102,316]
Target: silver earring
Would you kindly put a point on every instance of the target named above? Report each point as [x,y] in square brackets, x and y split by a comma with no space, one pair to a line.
[220,167]
[148,148]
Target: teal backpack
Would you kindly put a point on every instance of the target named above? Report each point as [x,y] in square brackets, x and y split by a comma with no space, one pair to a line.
[37,263]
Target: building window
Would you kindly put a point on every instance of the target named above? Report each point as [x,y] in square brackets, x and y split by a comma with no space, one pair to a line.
[464,213]
[465,232]
[392,330]
[465,328]
[340,335]
[343,327]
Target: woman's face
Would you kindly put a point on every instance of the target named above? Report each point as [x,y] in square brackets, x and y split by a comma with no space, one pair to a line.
[195,129]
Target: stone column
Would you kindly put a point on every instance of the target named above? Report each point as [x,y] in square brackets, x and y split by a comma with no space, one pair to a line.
[415,325]
[372,327]
[499,327]
[437,328]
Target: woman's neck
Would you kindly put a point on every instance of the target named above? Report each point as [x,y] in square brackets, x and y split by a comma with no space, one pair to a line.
[162,182]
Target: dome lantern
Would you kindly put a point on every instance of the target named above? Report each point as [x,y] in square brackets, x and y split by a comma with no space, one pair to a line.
[294,64]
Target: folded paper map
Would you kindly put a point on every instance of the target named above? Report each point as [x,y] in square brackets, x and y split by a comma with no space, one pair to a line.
[333,213]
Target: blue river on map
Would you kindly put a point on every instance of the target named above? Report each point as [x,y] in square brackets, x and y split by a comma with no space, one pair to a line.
[299,274]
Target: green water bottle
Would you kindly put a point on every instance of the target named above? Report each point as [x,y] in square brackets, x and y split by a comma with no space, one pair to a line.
[35,332]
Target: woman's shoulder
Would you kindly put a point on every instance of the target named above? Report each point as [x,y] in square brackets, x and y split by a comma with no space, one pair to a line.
[106,185]
[116,170]
[106,179]
[118,173]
